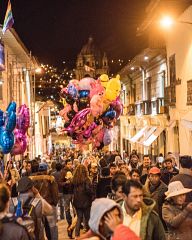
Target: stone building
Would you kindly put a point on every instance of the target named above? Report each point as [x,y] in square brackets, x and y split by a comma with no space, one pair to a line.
[90,61]
[172,82]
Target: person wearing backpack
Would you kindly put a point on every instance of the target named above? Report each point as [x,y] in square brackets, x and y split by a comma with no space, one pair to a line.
[48,189]
[31,212]
[10,229]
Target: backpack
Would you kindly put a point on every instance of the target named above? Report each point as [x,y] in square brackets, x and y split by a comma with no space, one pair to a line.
[27,216]
[13,219]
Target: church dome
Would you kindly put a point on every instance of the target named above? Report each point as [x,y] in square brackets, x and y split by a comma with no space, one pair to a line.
[90,48]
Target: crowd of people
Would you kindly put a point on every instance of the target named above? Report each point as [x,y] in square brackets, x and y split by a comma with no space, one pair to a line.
[100,195]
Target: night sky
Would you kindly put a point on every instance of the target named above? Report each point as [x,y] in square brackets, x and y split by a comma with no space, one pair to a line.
[56,30]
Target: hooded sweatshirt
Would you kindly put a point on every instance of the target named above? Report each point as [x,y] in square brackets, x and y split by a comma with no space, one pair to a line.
[99,207]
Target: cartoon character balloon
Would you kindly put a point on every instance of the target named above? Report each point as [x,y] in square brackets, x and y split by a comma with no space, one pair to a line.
[23,122]
[7,125]
[92,111]
[113,88]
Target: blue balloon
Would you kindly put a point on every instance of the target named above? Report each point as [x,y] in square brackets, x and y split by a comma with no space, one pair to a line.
[6,141]
[1,118]
[83,93]
[12,107]
[11,122]
[72,91]
[111,114]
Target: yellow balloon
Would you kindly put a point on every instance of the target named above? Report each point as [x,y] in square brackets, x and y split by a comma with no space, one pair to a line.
[104,80]
[113,88]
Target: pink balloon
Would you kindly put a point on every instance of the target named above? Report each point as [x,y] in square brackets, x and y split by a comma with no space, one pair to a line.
[23,118]
[85,83]
[117,106]
[96,105]
[20,143]
[78,121]
[96,88]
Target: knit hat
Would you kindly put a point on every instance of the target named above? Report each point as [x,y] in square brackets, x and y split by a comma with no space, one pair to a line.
[176,188]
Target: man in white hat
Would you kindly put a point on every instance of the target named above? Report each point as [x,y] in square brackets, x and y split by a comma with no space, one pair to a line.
[176,213]
[185,175]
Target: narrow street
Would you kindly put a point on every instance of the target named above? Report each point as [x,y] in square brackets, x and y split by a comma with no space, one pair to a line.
[62,226]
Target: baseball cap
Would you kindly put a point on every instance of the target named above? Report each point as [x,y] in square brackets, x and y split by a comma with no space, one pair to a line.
[154,170]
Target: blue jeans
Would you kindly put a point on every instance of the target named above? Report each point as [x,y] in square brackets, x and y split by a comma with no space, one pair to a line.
[52,221]
[67,200]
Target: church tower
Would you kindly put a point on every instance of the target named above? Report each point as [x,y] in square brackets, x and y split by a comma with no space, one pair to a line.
[90,61]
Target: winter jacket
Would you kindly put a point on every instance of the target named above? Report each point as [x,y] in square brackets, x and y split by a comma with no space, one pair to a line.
[185,177]
[157,193]
[124,233]
[103,187]
[11,230]
[47,187]
[83,195]
[179,222]
[63,182]
[166,176]
[151,225]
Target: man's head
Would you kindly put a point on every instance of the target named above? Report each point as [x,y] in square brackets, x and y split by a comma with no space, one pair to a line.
[135,175]
[113,169]
[68,164]
[133,195]
[100,209]
[134,159]
[154,176]
[43,167]
[94,168]
[117,183]
[25,184]
[146,161]
[168,164]
[186,162]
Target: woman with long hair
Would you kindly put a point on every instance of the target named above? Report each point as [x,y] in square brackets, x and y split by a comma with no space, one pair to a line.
[83,196]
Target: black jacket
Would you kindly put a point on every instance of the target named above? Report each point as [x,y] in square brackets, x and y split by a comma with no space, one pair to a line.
[103,187]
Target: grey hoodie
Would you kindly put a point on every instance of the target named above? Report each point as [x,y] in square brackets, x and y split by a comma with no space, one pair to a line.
[99,207]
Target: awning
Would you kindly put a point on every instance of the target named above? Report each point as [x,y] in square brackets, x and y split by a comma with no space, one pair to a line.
[138,134]
[147,134]
[186,120]
[153,136]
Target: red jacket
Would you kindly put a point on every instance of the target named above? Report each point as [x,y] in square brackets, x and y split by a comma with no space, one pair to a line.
[121,233]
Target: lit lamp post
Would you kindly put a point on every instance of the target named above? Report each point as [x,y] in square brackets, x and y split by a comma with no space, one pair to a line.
[167,22]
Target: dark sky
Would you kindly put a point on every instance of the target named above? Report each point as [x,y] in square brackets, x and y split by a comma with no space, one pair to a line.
[55,30]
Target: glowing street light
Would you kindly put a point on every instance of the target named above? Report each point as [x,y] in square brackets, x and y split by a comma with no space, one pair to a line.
[166,22]
[38,70]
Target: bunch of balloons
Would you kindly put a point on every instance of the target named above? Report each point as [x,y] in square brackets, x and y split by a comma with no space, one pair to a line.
[7,125]
[22,125]
[91,109]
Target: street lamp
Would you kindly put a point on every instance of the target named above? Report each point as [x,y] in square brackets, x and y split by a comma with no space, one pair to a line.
[167,22]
